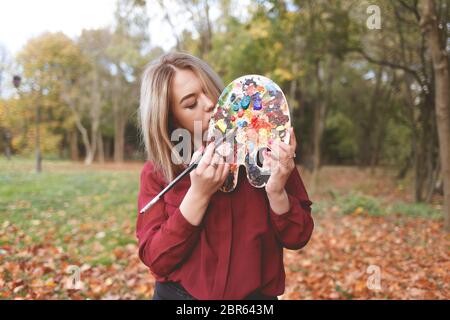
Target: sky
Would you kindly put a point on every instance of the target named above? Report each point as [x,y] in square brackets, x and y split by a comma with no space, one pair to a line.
[21,20]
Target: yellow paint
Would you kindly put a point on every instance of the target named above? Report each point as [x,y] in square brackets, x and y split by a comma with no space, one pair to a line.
[222,125]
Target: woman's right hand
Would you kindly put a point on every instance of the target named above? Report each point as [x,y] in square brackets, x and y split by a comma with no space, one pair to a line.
[210,173]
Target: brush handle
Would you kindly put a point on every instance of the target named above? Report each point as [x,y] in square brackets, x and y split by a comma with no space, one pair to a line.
[185,172]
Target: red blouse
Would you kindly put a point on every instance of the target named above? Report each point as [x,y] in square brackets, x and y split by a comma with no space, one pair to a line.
[237,248]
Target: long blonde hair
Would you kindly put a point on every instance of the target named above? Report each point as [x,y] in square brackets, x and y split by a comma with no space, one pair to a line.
[156,122]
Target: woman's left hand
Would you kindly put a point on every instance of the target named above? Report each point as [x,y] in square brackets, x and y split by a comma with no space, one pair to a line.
[281,162]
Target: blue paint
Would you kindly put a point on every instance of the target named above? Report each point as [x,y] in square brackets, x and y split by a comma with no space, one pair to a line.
[245,102]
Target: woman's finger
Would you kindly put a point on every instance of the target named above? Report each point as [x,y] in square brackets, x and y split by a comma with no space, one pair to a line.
[215,161]
[213,165]
[270,161]
[196,154]
[289,148]
[275,148]
[285,147]
[219,171]
[281,151]
[206,159]
[283,161]
[292,139]
[225,172]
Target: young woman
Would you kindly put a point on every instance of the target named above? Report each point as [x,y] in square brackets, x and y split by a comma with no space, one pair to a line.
[199,242]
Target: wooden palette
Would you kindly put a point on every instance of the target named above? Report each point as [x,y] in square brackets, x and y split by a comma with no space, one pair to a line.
[258,108]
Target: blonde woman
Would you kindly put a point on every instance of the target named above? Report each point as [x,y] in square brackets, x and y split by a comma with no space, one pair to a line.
[198,242]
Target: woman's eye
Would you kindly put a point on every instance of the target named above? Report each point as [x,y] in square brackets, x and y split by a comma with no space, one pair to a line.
[192,106]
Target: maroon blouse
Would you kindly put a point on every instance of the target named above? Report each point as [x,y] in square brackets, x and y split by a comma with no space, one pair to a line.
[238,247]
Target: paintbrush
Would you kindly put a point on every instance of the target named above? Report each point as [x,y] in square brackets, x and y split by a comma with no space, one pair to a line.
[186,171]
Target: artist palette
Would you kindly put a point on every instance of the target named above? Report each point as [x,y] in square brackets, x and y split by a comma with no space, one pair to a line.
[257,107]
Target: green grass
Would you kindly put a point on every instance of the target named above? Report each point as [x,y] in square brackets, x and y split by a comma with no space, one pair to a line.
[356,202]
[415,210]
[70,208]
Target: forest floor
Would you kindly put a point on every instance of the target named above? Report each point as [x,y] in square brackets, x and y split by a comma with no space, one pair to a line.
[370,240]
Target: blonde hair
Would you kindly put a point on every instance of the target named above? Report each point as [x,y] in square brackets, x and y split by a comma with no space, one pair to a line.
[156,122]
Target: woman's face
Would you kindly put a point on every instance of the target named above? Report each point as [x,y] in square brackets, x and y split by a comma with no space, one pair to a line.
[189,101]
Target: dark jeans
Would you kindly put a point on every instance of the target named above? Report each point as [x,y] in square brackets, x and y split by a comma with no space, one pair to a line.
[175,291]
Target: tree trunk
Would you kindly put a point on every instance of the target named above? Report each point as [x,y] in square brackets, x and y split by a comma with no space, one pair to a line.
[425,146]
[7,143]
[324,99]
[318,128]
[108,148]
[6,132]
[84,132]
[73,142]
[207,43]
[366,140]
[439,57]
[101,150]
[119,123]
[84,137]
[119,141]
[87,145]
[294,103]
[382,128]
[94,139]
[38,140]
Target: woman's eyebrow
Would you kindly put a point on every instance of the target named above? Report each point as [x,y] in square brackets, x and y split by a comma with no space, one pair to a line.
[187,96]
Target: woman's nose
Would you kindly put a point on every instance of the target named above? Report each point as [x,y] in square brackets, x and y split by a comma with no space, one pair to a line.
[209,105]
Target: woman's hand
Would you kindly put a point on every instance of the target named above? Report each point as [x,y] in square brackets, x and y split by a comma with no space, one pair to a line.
[281,162]
[210,173]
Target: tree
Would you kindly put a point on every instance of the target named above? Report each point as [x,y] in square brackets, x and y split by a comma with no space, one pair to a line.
[47,62]
[128,54]
[5,132]
[433,28]
[89,96]
[400,45]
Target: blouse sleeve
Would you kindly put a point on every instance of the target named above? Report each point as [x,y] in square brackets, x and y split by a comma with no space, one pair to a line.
[164,239]
[293,228]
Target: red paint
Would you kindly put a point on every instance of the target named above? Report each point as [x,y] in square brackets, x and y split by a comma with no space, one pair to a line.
[258,123]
